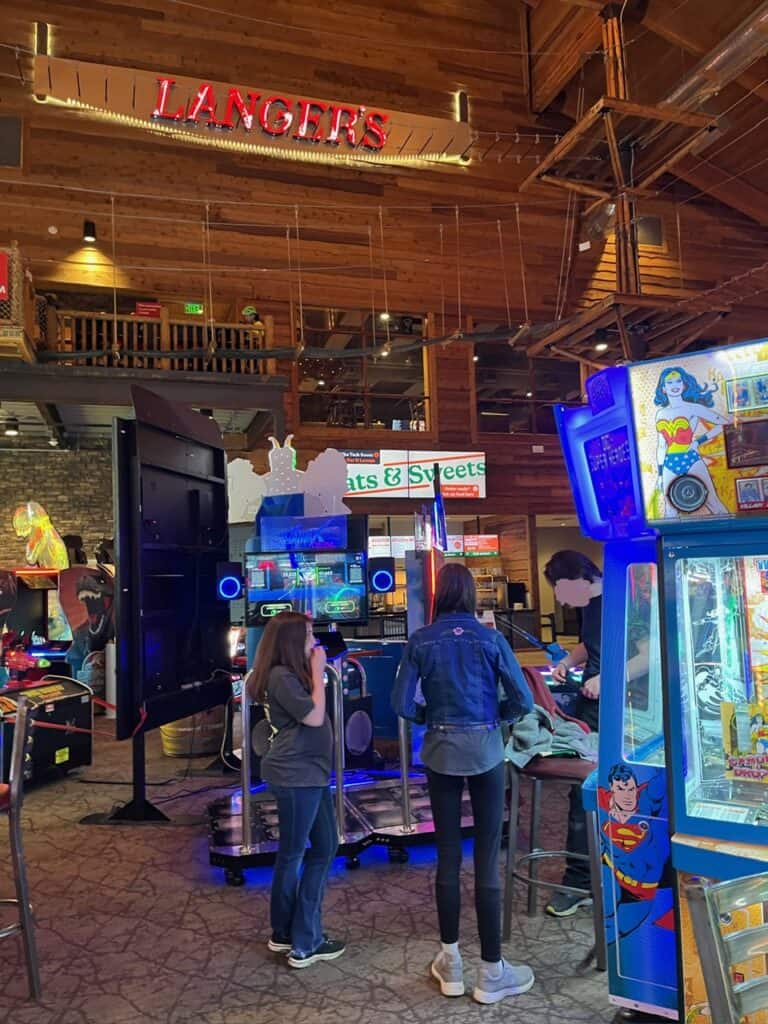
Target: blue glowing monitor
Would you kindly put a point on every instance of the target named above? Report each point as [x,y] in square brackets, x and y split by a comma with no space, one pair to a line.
[598,442]
[329,586]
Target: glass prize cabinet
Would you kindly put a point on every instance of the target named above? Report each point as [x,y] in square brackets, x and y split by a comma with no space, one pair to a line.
[670,457]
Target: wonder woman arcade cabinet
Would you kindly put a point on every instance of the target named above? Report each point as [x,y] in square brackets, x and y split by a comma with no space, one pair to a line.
[677,448]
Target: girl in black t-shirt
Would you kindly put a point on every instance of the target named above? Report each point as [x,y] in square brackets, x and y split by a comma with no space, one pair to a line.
[288,679]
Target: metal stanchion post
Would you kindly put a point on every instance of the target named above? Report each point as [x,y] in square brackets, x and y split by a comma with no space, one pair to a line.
[338,745]
[404,741]
[245,765]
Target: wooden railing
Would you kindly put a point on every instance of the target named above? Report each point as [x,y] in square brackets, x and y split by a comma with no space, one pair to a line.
[17,331]
[149,343]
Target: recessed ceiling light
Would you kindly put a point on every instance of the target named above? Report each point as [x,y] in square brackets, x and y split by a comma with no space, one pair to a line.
[52,229]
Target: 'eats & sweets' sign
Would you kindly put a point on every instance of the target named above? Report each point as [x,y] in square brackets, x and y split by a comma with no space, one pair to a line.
[249,118]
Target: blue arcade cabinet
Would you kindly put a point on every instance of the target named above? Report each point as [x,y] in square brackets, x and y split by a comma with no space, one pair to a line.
[669,465]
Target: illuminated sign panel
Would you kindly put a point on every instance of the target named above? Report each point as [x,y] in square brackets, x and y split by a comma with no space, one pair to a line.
[250,118]
[398,474]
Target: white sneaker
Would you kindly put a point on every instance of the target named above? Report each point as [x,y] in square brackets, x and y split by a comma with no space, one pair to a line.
[501,980]
[449,973]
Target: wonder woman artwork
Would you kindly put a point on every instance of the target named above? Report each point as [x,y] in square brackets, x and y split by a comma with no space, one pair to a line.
[686,419]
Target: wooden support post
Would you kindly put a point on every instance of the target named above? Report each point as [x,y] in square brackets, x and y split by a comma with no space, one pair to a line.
[165,336]
[585,371]
[613,54]
[525,54]
[626,347]
[627,269]
[533,560]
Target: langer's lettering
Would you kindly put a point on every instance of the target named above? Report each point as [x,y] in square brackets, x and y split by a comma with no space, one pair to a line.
[336,124]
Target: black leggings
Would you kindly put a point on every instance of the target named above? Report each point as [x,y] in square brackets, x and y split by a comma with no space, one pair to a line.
[486,792]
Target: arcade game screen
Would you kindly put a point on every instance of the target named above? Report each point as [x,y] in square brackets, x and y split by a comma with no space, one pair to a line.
[329,586]
[723,657]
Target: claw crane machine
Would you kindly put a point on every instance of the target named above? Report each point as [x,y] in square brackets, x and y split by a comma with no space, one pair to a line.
[669,465]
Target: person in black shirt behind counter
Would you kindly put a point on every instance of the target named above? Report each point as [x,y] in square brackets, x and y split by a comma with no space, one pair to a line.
[578,583]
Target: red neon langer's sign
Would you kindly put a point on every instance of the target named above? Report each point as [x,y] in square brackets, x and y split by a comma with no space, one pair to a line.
[305,120]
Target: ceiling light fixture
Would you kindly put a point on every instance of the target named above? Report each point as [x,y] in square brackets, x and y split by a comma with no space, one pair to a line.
[207,412]
[53,441]
[52,229]
[529,394]
[384,317]
[385,352]
[321,383]
[12,427]
[601,346]
[89,231]
[475,359]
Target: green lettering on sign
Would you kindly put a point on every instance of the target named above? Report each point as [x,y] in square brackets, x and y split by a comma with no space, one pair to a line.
[194,308]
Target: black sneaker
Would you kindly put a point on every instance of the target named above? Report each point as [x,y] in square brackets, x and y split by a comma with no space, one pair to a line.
[329,949]
[279,943]
[563,904]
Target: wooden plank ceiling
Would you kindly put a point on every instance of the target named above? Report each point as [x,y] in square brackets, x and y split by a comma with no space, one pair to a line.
[409,237]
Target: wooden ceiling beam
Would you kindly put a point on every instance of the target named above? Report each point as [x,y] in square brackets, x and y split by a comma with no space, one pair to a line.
[577,327]
[583,188]
[592,5]
[50,415]
[740,195]
[566,39]
[701,328]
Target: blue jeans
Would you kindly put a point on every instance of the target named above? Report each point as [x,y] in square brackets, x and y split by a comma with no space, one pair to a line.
[305,813]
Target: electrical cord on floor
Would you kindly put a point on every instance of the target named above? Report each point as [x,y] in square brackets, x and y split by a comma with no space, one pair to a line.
[196,792]
[121,782]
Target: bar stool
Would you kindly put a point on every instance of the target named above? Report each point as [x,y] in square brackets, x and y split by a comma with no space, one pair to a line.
[11,799]
[540,771]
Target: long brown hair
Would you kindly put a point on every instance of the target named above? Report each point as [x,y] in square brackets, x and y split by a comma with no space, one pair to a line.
[283,643]
[455,592]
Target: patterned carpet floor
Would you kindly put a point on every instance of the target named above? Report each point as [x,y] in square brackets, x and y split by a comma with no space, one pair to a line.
[134,926]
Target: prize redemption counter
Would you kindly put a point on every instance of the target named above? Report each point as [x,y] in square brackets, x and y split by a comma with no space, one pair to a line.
[669,467]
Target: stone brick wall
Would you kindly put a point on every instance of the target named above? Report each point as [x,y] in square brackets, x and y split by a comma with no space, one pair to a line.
[75,488]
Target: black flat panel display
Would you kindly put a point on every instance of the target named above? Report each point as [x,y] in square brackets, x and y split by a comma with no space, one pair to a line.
[171,510]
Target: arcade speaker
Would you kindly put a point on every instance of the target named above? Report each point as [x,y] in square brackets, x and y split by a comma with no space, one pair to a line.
[687,493]
[229,581]
[381,575]
[358,731]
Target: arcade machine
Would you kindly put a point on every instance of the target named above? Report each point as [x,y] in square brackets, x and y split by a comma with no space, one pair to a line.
[34,643]
[318,565]
[669,465]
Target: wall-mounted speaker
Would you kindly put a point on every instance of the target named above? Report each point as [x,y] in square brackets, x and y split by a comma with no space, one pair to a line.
[381,575]
[229,581]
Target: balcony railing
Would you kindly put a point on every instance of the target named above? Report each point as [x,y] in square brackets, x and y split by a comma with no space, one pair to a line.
[158,343]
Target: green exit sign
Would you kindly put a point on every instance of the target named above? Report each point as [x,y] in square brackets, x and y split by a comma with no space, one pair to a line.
[194,308]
